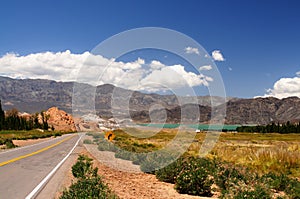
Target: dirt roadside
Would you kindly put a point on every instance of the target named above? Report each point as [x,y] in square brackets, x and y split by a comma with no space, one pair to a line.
[133,184]
[128,184]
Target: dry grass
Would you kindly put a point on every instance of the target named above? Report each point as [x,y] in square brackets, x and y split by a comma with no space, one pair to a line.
[263,152]
[262,155]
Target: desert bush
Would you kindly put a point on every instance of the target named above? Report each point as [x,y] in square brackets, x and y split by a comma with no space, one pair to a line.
[195,178]
[9,144]
[104,145]
[157,160]
[57,134]
[98,135]
[123,154]
[2,141]
[138,158]
[89,188]
[87,141]
[89,184]
[283,183]
[83,168]
[170,172]
[228,176]
[257,193]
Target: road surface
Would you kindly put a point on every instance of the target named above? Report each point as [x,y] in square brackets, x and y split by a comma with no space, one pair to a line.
[22,169]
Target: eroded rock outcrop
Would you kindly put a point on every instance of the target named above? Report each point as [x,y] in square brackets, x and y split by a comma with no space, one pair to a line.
[60,120]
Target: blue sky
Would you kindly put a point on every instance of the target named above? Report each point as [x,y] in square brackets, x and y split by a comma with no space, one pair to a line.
[260,40]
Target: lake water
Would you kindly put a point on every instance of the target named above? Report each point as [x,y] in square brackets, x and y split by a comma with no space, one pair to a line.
[216,127]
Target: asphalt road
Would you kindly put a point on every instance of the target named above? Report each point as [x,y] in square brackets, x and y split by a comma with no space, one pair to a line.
[22,169]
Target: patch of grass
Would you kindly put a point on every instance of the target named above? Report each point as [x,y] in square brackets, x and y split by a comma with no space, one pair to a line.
[260,136]
[276,159]
[32,134]
[263,157]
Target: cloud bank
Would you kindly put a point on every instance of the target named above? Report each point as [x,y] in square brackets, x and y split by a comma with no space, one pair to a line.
[285,87]
[96,70]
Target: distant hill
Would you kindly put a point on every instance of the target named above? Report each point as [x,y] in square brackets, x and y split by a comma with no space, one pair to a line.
[33,95]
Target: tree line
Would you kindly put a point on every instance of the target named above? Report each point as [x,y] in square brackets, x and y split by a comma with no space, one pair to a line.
[12,121]
[284,128]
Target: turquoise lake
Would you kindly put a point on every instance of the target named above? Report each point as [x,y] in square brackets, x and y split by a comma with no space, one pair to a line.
[216,127]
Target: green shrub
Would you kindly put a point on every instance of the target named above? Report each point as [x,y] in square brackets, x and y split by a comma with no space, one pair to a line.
[87,141]
[2,141]
[196,175]
[257,193]
[104,145]
[98,136]
[170,172]
[89,184]
[228,176]
[9,144]
[282,183]
[293,189]
[156,160]
[57,134]
[89,134]
[277,182]
[89,188]
[195,178]
[83,168]
[123,154]
[138,158]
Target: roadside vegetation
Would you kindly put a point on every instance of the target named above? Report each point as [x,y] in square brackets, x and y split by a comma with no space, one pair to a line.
[87,183]
[7,137]
[241,165]
[11,120]
[16,127]
[284,128]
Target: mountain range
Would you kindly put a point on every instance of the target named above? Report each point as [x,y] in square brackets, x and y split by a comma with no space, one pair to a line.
[34,95]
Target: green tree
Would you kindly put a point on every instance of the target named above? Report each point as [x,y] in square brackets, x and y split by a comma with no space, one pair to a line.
[2,117]
[45,118]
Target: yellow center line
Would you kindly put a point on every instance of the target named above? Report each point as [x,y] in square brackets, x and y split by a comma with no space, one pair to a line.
[34,153]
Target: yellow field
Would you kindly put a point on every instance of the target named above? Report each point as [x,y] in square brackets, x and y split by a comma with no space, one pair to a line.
[279,153]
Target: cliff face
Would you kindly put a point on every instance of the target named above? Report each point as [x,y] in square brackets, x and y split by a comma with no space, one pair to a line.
[263,110]
[60,120]
[36,95]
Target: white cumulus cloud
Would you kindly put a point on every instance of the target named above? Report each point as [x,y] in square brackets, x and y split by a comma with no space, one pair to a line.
[298,73]
[156,65]
[217,55]
[205,67]
[173,77]
[96,69]
[285,87]
[191,50]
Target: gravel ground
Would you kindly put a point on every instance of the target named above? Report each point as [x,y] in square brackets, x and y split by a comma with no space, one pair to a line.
[108,159]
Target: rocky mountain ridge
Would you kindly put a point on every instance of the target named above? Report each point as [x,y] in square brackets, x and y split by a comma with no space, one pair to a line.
[34,95]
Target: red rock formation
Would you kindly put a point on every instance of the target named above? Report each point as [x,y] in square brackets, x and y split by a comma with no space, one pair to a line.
[60,120]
